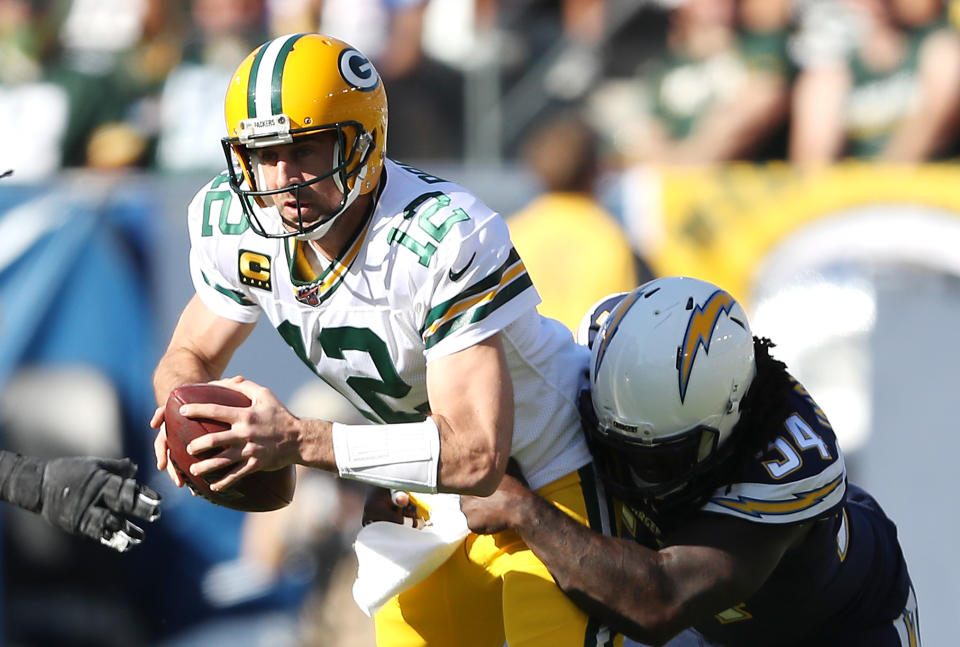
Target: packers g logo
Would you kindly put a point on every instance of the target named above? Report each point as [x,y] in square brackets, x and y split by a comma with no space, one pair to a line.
[254,269]
[357,71]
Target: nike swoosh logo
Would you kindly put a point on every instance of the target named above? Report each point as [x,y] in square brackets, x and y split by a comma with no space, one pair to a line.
[455,276]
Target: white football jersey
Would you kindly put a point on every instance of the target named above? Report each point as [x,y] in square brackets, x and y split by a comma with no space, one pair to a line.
[431,272]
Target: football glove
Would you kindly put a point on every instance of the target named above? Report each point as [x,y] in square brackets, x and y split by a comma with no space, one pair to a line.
[87,496]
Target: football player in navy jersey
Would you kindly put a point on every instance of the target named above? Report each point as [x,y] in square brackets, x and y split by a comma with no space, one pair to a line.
[727,490]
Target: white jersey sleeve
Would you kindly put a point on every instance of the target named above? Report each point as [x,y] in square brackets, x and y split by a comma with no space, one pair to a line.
[479,285]
[455,279]
[214,252]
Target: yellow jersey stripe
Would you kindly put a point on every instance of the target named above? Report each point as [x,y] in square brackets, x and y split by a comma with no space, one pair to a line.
[801,501]
[452,313]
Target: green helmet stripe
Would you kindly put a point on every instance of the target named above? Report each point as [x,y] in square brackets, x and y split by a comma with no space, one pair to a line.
[276,98]
[264,91]
[252,83]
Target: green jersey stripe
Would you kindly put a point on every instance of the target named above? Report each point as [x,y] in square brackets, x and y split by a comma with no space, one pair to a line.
[512,289]
[239,297]
[320,289]
[289,250]
[439,311]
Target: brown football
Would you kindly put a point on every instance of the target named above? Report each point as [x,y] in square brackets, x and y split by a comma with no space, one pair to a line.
[257,492]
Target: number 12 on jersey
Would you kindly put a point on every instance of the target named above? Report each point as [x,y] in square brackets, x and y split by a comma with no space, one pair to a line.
[424,208]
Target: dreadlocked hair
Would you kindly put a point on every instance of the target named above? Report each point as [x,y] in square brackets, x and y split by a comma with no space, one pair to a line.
[762,410]
[766,401]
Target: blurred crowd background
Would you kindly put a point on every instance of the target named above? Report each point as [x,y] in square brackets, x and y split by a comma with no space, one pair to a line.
[108,84]
[802,153]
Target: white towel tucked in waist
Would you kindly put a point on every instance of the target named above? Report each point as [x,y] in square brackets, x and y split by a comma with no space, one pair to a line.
[392,557]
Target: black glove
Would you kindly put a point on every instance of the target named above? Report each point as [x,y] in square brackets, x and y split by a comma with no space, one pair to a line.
[94,496]
[85,495]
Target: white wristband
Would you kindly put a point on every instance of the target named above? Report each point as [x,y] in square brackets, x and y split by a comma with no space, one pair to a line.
[403,456]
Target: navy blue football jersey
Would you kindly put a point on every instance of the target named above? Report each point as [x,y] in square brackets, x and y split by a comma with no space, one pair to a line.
[845,584]
[846,577]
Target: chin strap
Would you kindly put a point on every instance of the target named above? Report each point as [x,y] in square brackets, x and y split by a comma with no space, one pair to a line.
[322,229]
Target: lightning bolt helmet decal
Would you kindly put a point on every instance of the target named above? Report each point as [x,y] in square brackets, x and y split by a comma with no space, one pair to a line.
[703,321]
[612,323]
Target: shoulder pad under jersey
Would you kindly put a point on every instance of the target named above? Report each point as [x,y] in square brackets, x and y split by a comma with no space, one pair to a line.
[800,475]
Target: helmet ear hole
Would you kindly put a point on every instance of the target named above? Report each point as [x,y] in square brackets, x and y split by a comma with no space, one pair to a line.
[355,143]
[348,152]
[366,140]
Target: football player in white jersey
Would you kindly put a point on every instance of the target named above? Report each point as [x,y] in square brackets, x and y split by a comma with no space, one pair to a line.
[404,292]
[732,507]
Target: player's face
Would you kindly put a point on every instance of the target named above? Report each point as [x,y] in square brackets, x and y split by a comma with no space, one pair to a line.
[290,164]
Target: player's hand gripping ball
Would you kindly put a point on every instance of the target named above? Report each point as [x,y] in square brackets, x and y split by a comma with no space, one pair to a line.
[257,492]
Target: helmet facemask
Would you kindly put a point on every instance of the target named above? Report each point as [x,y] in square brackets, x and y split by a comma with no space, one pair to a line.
[295,86]
[657,473]
[348,170]
[670,368]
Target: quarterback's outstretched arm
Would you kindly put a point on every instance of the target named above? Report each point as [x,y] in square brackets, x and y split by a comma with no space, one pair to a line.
[715,563]
[471,423]
[199,351]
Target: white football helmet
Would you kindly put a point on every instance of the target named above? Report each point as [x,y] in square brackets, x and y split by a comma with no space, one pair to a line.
[669,368]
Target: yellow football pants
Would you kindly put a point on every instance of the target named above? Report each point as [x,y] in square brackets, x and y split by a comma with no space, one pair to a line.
[494,589]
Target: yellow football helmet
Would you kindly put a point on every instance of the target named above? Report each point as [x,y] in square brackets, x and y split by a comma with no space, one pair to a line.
[300,85]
